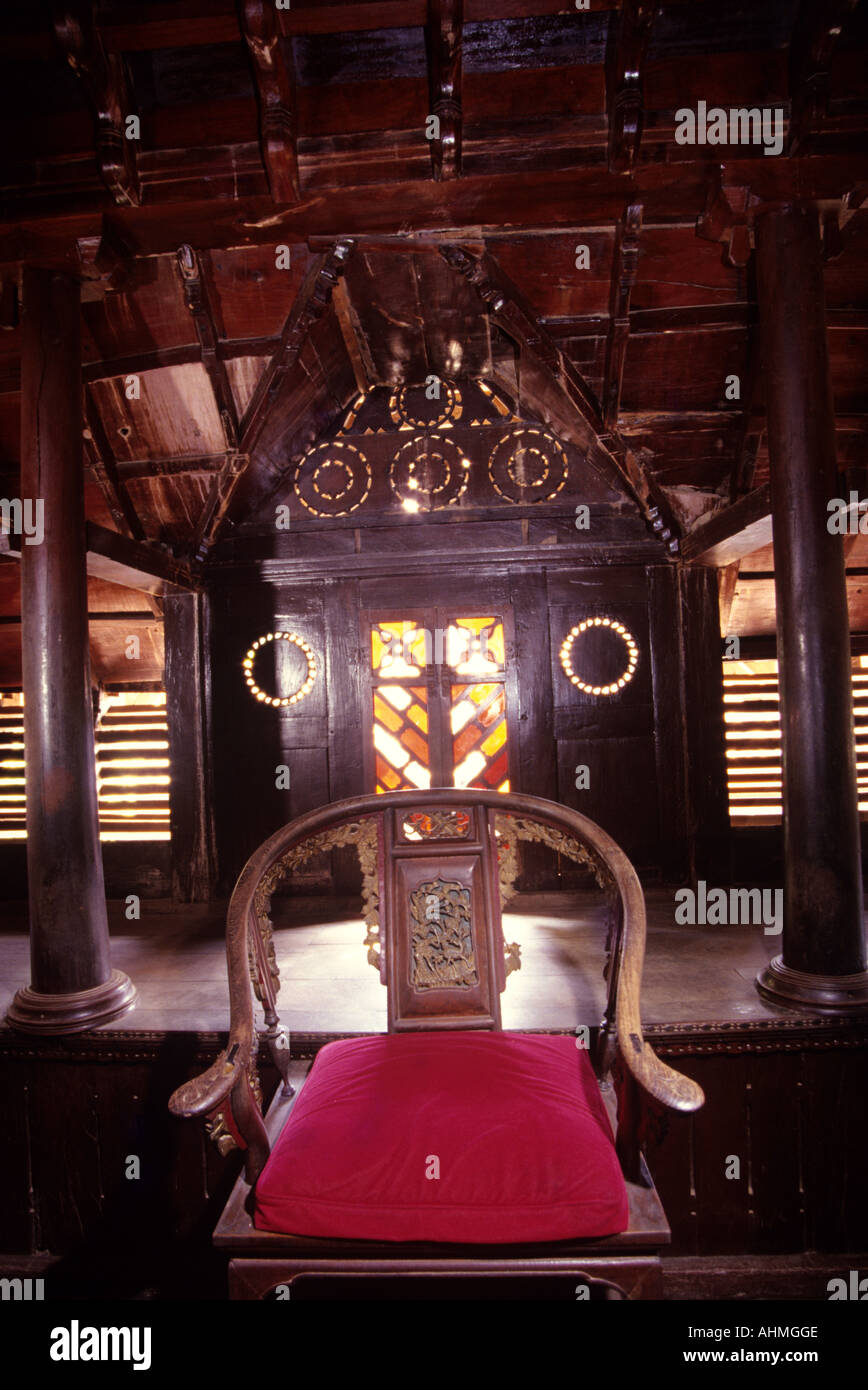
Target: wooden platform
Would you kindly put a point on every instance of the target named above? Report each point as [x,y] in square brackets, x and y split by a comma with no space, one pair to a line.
[175,956]
[785,1092]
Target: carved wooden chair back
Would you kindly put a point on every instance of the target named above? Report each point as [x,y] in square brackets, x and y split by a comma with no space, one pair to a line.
[437,868]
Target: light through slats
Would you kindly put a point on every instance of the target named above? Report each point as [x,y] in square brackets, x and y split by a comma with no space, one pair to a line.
[752,733]
[132,766]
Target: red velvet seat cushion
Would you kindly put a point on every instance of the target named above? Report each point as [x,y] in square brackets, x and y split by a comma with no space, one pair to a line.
[514,1121]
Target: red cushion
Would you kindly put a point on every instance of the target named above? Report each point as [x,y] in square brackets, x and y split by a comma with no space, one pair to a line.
[515,1120]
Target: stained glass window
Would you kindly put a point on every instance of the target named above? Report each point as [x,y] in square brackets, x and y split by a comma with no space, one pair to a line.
[439,702]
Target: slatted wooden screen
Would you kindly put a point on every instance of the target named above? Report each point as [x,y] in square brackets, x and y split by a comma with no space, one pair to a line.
[12,804]
[753,739]
[132,766]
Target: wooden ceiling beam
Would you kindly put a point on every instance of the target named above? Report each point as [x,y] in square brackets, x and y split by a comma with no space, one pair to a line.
[311,302]
[443,35]
[275,90]
[731,533]
[560,394]
[624,264]
[537,197]
[137,564]
[625,72]
[197,301]
[136,363]
[105,82]
[130,469]
[130,563]
[815,37]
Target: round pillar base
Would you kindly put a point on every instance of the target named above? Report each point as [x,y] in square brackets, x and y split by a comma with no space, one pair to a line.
[823,994]
[32,1012]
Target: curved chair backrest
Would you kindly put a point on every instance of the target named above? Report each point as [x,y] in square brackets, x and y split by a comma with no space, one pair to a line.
[436,867]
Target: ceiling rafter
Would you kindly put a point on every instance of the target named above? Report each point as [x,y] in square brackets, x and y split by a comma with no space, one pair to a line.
[625,261]
[443,35]
[311,302]
[198,302]
[104,468]
[564,399]
[109,96]
[275,90]
[732,532]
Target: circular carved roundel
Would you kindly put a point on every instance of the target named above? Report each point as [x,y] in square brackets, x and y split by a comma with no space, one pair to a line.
[632,654]
[427,473]
[307,684]
[333,479]
[410,405]
[528,466]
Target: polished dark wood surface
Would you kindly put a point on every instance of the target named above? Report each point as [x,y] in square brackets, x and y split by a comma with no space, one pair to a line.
[72,983]
[823,931]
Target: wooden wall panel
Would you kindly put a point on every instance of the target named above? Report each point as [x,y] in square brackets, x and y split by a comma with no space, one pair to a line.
[787,1097]
[611,735]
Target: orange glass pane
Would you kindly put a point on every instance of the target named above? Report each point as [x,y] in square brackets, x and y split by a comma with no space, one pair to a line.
[479,737]
[400,737]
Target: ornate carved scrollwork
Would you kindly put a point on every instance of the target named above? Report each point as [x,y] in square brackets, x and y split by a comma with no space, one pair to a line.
[513,828]
[442,936]
[510,830]
[436,825]
[362,834]
[219,1134]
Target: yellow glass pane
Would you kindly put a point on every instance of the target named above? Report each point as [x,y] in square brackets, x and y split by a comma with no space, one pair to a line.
[384,715]
[496,739]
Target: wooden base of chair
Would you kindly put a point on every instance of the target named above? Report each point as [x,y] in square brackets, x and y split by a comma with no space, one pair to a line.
[573,1278]
[261,1261]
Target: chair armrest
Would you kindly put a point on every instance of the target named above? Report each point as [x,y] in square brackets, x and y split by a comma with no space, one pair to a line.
[668,1086]
[208,1091]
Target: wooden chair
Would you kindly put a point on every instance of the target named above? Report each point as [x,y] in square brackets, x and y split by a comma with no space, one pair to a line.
[437,867]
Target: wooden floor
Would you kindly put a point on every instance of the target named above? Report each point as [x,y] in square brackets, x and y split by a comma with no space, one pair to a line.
[175,956]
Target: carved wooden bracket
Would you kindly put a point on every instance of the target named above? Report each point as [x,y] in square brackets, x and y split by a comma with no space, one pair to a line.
[624,83]
[275,86]
[443,42]
[108,92]
[728,218]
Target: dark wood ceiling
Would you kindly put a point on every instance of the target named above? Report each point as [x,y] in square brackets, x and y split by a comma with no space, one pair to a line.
[299,136]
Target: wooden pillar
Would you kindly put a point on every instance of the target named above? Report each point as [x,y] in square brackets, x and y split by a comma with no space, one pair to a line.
[73,985]
[187,711]
[823,956]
